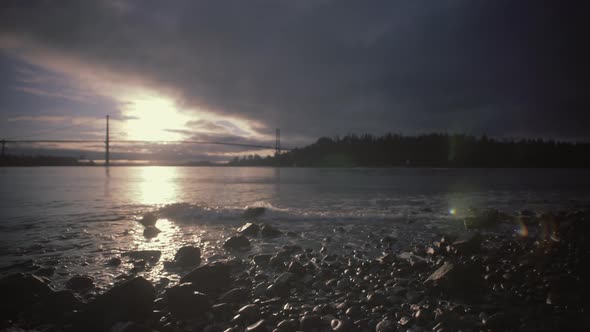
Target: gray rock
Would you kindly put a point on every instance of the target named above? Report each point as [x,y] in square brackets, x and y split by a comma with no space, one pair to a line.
[209,278]
[287,325]
[249,229]
[151,232]
[238,242]
[235,295]
[311,323]
[250,313]
[130,327]
[458,279]
[188,256]
[259,326]
[45,271]
[262,259]
[185,302]
[80,283]
[114,261]
[222,311]
[149,219]
[260,289]
[468,246]
[296,268]
[354,311]
[385,325]
[269,231]
[341,325]
[19,292]
[131,300]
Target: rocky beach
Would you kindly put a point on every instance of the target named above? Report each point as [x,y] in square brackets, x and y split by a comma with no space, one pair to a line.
[483,279]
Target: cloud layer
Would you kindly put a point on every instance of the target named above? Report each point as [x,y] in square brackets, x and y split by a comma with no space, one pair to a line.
[314,68]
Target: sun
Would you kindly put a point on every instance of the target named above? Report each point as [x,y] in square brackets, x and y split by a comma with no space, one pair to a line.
[154,119]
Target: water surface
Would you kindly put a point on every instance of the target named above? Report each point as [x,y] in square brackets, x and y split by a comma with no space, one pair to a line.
[76,218]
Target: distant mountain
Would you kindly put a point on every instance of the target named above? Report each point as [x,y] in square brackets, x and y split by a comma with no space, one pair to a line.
[432,150]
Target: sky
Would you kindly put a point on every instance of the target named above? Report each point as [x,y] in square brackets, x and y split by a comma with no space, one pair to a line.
[233,71]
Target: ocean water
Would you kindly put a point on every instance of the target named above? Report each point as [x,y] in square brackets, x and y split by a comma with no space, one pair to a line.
[76,218]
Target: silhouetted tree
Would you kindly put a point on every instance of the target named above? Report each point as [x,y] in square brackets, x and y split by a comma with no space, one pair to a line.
[431,150]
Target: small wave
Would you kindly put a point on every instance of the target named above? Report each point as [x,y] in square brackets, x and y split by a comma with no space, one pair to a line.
[186,213]
[192,213]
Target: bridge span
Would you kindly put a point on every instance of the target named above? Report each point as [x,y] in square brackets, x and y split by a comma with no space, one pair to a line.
[277,147]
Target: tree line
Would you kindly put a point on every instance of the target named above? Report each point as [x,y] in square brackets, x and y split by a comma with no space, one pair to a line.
[431,150]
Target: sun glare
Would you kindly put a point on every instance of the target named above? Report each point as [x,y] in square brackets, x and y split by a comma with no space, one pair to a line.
[154,119]
[157,185]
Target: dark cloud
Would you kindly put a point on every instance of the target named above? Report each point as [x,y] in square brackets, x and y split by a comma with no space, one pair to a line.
[330,67]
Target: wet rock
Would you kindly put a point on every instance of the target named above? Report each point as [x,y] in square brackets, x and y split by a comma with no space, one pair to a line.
[151,232]
[253,212]
[424,315]
[354,311]
[287,325]
[235,295]
[259,326]
[185,302]
[131,300]
[249,313]
[311,323]
[80,283]
[19,292]
[340,325]
[209,278]
[376,299]
[385,325]
[249,229]
[285,278]
[114,261]
[238,242]
[45,271]
[188,256]
[469,246]
[280,290]
[57,305]
[458,279]
[130,327]
[147,255]
[405,320]
[501,321]
[269,231]
[343,284]
[296,268]
[262,259]
[260,289]
[222,311]
[149,219]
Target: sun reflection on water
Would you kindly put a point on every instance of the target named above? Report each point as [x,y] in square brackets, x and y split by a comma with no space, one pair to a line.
[158,185]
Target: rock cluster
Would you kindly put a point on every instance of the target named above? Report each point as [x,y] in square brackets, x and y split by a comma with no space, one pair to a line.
[482,282]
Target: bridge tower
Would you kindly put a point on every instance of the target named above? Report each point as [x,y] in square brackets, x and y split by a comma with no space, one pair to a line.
[278,142]
[107,150]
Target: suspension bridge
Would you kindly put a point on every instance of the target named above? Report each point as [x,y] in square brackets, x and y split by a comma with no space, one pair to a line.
[108,141]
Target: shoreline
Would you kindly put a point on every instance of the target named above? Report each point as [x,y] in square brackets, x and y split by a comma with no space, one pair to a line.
[312,167]
[480,282]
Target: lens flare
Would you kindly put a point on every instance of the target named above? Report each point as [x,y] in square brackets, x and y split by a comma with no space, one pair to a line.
[522,230]
[453,211]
